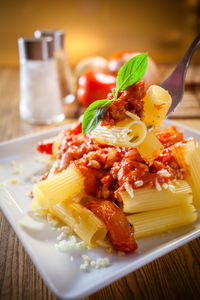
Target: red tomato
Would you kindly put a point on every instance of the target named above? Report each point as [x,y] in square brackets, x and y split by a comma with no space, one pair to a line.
[76,130]
[118,59]
[45,148]
[120,231]
[94,86]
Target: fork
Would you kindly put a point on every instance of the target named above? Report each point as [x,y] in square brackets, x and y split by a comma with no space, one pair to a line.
[175,83]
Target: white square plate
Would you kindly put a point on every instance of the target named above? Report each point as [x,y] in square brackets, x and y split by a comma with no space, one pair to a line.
[60,274]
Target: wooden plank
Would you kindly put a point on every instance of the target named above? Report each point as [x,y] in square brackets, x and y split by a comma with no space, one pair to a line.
[190,105]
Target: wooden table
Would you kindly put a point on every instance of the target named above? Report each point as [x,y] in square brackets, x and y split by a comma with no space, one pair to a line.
[173,276]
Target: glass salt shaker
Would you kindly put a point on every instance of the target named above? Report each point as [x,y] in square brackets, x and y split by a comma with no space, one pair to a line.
[40,97]
[66,80]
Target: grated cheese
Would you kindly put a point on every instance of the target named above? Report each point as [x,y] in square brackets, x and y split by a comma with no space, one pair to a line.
[14,181]
[165,186]
[43,160]
[164,172]
[65,230]
[100,263]
[71,244]
[52,221]
[86,264]
[129,189]
[84,267]
[158,187]
[171,188]
[67,241]
[139,183]
[34,179]
[120,174]
[61,236]
[86,258]
[18,169]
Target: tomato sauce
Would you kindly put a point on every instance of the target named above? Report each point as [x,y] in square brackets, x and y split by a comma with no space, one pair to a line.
[108,169]
[128,100]
[45,148]
[169,136]
[96,167]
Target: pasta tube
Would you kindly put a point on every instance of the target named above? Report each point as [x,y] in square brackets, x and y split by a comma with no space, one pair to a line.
[198,150]
[157,102]
[61,186]
[37,208]
[35,205]
[127,133]
[55,148]
[145,199]
[82,221]
[162,220]
[188,158]
[150,148]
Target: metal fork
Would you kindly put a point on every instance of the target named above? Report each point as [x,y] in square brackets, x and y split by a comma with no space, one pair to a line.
[175,83]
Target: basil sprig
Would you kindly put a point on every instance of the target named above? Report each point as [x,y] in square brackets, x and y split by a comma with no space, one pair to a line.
[128,75]
[131,72]
[94,115]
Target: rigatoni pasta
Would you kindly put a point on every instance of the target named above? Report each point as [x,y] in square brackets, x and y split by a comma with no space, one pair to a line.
[198,150]
[151,147]
[56,146]
[145,199]
[128,133]
[162,220]
[59,187]
[157,102]
[189,159]
[84,223]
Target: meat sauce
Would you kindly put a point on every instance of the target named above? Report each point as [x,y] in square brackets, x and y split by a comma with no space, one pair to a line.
[128,100]
[169,136]
[97,169]
[108,169]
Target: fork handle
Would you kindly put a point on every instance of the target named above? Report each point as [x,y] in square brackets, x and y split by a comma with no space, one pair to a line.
[181,69]
[189,53]
[175,83]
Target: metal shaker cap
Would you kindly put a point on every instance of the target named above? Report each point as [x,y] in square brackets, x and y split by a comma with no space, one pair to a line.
[57,35]
[35,49]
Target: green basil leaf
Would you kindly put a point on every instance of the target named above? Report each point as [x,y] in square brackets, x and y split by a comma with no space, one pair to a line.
[132,72]
[94,115]
[114,94]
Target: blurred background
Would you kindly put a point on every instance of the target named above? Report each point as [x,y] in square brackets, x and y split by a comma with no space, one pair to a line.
[101,27]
